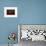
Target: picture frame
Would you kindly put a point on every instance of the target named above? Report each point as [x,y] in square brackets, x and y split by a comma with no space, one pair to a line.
[10,12]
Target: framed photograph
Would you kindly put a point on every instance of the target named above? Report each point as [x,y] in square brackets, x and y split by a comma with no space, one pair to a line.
[10,12]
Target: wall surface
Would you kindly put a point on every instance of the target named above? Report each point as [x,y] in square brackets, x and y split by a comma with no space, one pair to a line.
[29,12]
